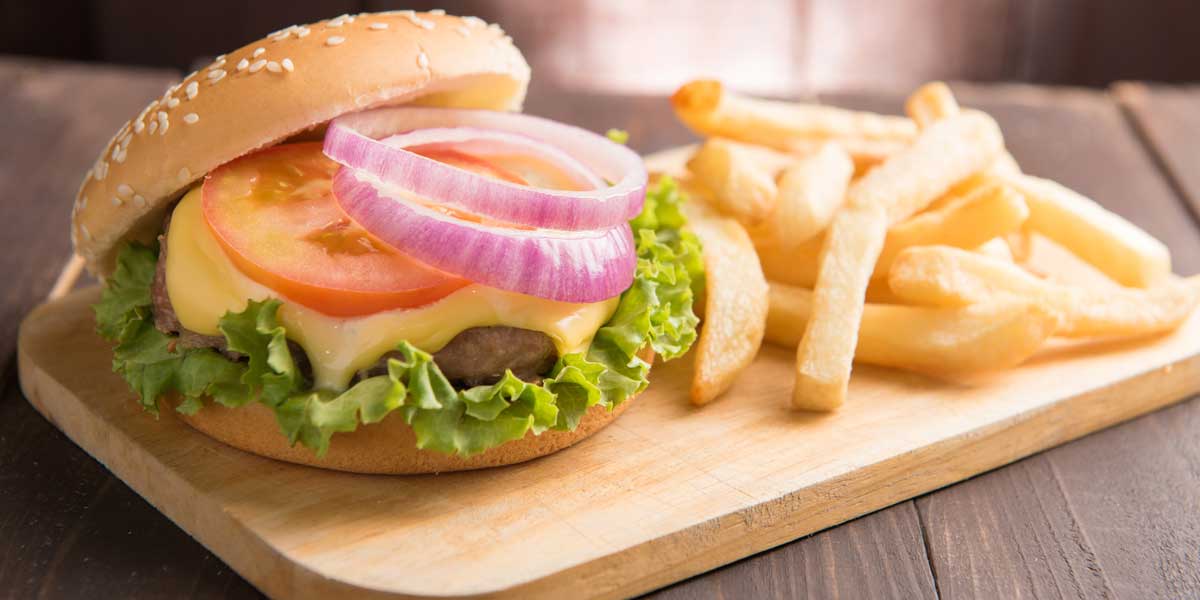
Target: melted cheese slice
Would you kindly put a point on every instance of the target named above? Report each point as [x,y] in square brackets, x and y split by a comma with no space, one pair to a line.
[204,284]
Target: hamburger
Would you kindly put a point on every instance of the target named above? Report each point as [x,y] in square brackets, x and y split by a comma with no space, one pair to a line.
[343,246]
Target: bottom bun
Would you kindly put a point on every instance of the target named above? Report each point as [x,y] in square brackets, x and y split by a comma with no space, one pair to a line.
[389,446]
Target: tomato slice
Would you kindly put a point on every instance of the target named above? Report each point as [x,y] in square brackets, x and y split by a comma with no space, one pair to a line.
[274,213]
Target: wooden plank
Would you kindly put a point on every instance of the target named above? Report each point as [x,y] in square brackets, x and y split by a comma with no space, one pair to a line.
[665,492]
[881,555]
[1168,118]
[61,512]
[1088,518]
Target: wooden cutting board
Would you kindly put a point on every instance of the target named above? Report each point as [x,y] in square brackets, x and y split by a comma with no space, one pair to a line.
[666,492]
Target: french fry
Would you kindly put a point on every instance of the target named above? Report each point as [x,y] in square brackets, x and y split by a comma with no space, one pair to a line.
[795,266]
[809,193]
[1108,242]
[933,102]
[936,341]
[966,223]
[969,222]
[930,103]
[740,177]
[866,153]
[709,109]
[735,305]
[944,276]
[1020,243]
[942,155]
[997,248]
[825,353]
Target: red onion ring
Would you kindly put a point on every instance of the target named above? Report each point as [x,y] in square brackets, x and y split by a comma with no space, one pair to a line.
[353,141]
[482,142]
[569,266]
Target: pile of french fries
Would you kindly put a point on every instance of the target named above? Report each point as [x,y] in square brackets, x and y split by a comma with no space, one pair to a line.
[894,241]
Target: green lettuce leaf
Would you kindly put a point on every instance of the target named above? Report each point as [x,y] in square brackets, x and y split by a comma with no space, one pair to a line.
[655,312]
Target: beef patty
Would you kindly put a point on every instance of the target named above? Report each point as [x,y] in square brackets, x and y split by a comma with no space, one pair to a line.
[476,356]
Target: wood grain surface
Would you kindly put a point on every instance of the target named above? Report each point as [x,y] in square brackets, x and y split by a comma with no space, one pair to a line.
[661,494]
[68,529]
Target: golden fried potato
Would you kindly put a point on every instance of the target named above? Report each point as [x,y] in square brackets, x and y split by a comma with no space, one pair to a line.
[810,192]
[942,155]
[968,222]
[735,306]
[709,109]
[934,341]
[930,103]
[946,153]
[741,177]
[997,248]
[825,353]
[944,276]
[1108,242]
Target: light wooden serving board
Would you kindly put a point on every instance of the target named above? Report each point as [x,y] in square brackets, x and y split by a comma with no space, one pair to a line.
[665,492]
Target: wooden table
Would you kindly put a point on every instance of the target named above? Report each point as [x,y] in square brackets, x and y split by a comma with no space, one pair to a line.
[1113,514]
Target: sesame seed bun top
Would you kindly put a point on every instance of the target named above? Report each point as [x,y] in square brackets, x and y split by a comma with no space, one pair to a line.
[285,84]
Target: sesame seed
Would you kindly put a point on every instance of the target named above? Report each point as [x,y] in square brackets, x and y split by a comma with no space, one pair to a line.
[100,171]
[242,64]
[334,40]
[257,65]
[163,123]
[220,58]
[338,22]
[184,175]
[120,157]
[494,27]
[87,235]
[220,62]
[152,127]
[258,52]
[423,60]
[288,65]
[280,35]
[274,67]
[218,78]
[437,12]
[173,102]
[378,26]
[216,73]
[191,90]
[124,190]
[474,21]
[191,118]
[139,200]
[117,201]
[302,32]
[138,126]
[463,31]
[83,203]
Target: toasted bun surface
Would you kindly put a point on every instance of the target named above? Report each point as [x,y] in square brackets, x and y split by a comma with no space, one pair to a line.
[386,447]
[265,92]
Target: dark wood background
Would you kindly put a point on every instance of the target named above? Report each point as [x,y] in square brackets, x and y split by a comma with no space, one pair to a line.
[784,47]
[1114,514]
